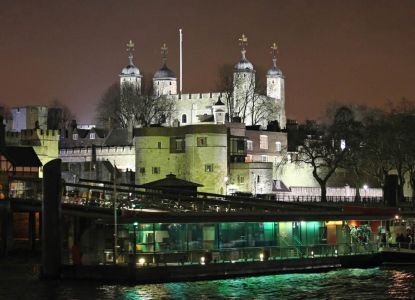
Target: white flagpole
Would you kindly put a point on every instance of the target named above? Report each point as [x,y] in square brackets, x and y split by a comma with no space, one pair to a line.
[181,60]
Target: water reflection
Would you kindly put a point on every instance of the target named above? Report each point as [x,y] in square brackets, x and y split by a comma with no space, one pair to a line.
[400,286]
[391,283]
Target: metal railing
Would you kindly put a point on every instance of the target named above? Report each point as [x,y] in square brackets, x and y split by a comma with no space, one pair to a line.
[234,255]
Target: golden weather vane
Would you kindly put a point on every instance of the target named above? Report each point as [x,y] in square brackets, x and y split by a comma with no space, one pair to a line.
[164,50]
[274,49]
[130,46]
[243,41]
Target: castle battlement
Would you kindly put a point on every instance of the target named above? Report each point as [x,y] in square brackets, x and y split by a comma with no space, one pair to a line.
[100,150]
[38,132]
[194,96]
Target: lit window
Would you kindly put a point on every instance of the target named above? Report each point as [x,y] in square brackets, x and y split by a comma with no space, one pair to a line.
[249,145]
[75,136]
[278,146]
[264,158]
[202,141]
[209,168]
[263,142]
[92,136]
[156,170]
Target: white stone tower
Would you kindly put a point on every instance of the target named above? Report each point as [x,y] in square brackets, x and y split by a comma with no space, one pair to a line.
[164,80]
[275,87]
[243,84]
[131,74]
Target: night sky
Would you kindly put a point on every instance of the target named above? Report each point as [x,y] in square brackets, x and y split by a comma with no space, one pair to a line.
[351,51]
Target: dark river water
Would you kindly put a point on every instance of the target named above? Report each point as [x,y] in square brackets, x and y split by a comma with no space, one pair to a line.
[376,283]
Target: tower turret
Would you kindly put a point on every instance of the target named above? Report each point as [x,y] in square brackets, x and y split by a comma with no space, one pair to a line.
[164,80]
[275,86]
[243,81]
[131,74]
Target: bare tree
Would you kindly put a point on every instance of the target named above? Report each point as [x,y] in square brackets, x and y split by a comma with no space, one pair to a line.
[108,109]
[245,97]
[327,147]
[128,104]
[59,115]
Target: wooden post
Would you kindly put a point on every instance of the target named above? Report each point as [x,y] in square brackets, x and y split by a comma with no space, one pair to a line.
[7,232]
[51,220]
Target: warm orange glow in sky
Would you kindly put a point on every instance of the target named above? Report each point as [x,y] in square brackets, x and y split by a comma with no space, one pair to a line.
[354,51]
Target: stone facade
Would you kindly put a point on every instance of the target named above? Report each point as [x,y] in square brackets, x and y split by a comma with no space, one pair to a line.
[44,143]
[200,108]
[194,153]
[211,155]
[29,117]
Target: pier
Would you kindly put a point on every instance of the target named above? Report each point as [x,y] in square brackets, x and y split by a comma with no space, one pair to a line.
[104,231]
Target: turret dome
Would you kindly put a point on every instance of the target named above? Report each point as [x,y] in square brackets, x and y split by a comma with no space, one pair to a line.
[164,72]
[274,72]
[244,65]
[130,69]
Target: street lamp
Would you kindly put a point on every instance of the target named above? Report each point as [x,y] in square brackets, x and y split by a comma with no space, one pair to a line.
[115,254]
[365,187]
[342,144]
[135,224]
[226,179]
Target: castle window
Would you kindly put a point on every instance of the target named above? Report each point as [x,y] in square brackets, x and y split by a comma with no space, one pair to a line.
[75,136]
[264,158]
[156,170]
[159,145]
[278,146]
[209,168]
[170,82]
[92,136]
[179,144]
[202,141]
[142,171]
[241,179]
[263,142]
[249,145]
[184,119]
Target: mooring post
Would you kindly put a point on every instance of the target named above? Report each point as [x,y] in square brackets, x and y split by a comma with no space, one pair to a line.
[51,220]
[7,231]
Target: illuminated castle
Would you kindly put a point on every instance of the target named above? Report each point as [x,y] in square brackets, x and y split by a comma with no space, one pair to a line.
[241,101]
